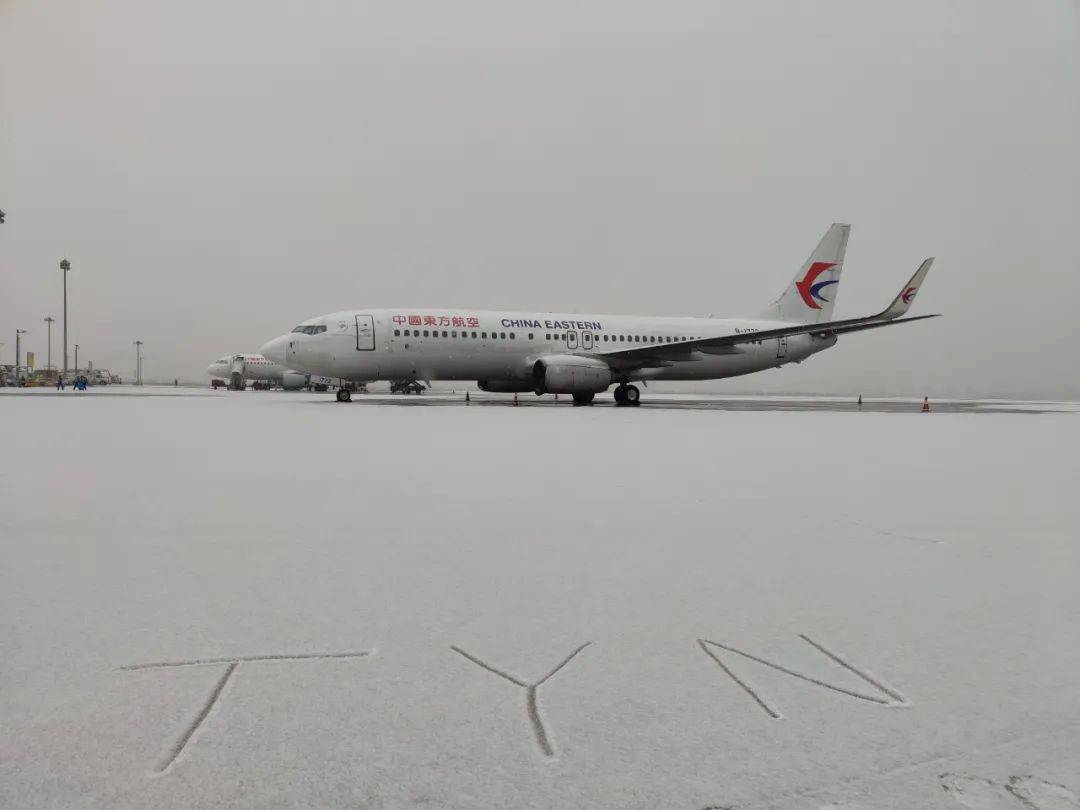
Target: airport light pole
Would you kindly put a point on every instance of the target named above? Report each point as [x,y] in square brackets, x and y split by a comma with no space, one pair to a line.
[65,266]
[49,320]
[138,362]
[18,339]
[76,359]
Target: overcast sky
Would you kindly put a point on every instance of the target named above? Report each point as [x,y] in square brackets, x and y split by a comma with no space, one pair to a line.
[218,172]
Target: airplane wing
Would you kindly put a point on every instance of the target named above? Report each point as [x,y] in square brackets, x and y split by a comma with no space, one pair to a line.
[662,354]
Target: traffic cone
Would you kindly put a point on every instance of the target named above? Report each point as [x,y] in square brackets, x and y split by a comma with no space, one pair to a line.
[926,404]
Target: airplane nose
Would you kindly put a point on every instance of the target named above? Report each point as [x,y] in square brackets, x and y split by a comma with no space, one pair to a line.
[274,350]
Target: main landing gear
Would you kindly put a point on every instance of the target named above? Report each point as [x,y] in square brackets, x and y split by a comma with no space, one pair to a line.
[344,395]
[628,396]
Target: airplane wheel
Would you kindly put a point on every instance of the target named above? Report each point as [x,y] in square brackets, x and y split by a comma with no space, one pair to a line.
[583,399]
[620,395]
[344,395]
[632,397]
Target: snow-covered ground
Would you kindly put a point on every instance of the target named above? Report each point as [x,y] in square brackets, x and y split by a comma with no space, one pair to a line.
[358,605]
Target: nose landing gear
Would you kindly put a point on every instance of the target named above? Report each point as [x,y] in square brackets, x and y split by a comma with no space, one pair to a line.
[344,395]
[627,396]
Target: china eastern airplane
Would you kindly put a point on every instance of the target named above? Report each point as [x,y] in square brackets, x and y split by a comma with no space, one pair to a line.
[237,369]
[583,355]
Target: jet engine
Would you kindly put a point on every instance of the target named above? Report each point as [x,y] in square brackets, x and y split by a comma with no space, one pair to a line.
[570,374]
[505,386]
[293,380]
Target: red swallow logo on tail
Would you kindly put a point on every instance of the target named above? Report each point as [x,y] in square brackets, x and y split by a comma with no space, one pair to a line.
[909,293]
[811,291]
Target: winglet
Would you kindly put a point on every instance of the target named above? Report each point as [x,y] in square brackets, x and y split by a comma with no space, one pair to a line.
[902,302]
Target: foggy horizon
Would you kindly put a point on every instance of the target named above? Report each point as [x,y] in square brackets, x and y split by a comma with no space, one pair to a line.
[218,174]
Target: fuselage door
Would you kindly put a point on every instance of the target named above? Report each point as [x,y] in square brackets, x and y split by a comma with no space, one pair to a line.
[586,341]
[365,333]
[571,340]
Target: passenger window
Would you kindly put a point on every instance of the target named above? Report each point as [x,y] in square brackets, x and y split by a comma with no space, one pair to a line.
[530,335]
[547,336]
[483,335]
[511,335]
[397,333]
[453,334]
[425,333]
[444,333]
[637,338]
[474,335]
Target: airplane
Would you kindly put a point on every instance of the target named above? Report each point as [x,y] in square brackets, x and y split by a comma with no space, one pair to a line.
[237,369]
[583,355]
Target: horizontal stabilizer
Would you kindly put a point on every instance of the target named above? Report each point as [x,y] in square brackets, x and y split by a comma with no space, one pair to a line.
[891,314]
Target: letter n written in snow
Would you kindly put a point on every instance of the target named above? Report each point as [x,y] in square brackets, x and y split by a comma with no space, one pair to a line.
[886,696]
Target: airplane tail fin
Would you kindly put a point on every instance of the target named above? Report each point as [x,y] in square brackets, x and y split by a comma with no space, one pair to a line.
[811,295]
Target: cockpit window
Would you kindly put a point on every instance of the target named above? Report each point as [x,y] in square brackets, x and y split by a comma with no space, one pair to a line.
[310,329]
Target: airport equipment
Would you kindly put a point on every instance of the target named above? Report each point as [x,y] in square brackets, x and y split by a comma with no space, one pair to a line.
[65,266]
[138,362]
[48,361]
[18,339]
[406,387]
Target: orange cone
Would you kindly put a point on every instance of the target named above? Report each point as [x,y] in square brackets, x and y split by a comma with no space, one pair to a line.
[926,404]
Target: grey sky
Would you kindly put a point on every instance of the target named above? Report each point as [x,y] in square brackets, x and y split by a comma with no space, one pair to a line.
[218,172]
